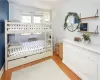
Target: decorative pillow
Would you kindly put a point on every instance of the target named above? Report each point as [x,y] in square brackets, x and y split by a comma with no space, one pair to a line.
[32,39]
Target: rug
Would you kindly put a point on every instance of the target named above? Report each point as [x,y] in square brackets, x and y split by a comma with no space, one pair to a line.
[47,70]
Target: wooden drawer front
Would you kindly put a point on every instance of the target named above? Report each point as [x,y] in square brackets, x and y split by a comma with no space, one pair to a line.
[21,61]
[57,49]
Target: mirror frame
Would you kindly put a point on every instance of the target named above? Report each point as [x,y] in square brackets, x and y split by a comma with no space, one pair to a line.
[76,16]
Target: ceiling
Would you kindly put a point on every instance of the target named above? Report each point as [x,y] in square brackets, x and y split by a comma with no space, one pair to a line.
[47,4]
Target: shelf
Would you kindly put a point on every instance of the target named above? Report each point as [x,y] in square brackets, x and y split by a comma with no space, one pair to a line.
[90,17]
[88,32]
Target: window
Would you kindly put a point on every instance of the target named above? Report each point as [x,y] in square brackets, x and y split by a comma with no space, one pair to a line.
[46,17]
[37,19]
[26,19]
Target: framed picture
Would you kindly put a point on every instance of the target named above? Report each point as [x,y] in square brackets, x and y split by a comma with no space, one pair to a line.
[84,27]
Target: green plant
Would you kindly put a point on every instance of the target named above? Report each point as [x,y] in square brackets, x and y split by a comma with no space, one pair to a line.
[86,37]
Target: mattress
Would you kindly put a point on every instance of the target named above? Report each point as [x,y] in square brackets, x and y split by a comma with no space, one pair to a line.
[27,48]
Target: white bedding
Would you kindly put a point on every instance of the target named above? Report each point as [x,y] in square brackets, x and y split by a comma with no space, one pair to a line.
[27,48]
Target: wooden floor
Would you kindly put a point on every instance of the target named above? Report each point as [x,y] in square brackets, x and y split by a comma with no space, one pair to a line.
[7,74]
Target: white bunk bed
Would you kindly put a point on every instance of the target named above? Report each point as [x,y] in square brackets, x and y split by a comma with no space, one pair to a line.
[16,55]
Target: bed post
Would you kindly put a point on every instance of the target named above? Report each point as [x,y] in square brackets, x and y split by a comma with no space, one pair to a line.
[6,45]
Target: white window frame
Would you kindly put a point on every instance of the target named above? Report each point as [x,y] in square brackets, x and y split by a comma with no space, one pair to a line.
[26,14]
[32,16]
[39,16]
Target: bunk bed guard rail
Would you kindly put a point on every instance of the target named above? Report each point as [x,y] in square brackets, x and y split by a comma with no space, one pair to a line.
[18,26]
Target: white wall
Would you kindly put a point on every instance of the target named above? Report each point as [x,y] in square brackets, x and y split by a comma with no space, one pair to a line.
[86,8]
[16,10]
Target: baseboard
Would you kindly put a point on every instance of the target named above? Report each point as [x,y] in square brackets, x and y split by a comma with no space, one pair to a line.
[1,72]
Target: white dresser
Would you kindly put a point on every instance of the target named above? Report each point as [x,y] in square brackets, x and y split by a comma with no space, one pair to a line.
[83,59]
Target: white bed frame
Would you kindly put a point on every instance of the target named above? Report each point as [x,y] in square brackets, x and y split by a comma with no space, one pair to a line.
[18,27]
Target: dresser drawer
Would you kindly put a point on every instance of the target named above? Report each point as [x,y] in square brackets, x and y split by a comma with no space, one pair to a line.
[28,59]
[38,56]
[88,54]
[33,58]
[83,61]
[83,52]
[87,68]
[25,60]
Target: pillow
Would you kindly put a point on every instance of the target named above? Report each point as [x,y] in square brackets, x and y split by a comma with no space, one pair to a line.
[13,21]
[32,39]
[14,43]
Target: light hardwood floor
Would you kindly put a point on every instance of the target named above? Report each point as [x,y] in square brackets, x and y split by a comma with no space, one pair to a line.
[7,74]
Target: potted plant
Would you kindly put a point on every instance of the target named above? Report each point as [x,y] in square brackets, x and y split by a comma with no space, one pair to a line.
[86,37]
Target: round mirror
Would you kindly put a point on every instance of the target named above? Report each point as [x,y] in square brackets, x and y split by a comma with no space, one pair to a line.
[72,22]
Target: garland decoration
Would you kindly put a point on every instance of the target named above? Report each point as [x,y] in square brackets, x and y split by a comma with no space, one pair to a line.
[71,14]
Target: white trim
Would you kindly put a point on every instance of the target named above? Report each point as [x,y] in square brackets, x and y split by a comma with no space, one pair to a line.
[1,71]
